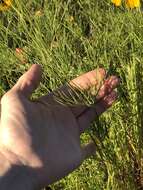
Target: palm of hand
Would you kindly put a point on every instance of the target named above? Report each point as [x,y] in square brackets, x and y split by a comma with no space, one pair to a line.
[38,135]
[46,136]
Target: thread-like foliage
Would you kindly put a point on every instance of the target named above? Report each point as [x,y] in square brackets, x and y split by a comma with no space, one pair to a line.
[68,38]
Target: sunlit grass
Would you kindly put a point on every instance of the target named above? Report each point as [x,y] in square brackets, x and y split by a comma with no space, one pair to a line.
[71,37]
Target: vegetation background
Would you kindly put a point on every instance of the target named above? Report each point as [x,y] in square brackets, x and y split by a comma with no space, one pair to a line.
[69,37]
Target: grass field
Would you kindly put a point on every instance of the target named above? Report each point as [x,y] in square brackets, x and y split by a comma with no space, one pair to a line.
[69,37]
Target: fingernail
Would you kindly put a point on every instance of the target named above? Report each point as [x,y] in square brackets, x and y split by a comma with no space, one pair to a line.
[115,81]
[112,97]
[102,71]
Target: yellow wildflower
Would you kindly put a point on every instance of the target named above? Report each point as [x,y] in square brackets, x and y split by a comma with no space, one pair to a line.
[117,2]
[129,3]
[133,3]
[5,4]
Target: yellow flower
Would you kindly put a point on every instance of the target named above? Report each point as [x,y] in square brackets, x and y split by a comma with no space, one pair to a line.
[129,3]
[5,4]
[117,2]
[133,3]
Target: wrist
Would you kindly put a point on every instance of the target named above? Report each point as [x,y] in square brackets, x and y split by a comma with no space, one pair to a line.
[15,177]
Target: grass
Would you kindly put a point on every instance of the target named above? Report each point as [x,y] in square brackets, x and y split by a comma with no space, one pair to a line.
[71,37]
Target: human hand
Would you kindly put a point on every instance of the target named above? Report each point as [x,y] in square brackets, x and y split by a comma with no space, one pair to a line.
[44,135]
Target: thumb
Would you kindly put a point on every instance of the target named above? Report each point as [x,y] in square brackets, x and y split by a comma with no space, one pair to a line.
[29,81]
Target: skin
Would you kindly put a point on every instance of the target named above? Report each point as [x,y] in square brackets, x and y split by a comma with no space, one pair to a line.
[40,140]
